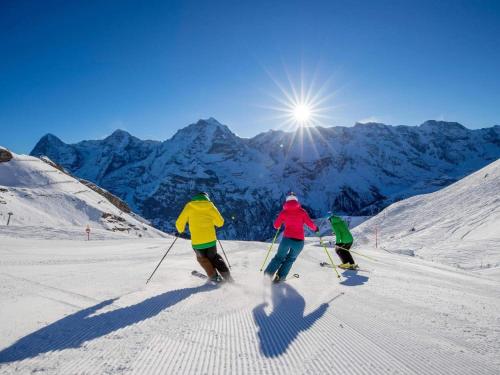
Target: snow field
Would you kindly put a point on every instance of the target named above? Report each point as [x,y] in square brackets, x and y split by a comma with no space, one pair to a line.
[458,225]
[47,203]
[78,307]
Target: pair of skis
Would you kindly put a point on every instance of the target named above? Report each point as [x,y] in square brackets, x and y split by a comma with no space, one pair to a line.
[328,265]
[204,277]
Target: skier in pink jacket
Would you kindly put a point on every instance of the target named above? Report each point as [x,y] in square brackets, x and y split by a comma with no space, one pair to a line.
[294,217]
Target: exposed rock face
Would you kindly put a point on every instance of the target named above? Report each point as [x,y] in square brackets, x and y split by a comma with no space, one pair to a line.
[45,159]
[5,155]
[349,170]
[106,194]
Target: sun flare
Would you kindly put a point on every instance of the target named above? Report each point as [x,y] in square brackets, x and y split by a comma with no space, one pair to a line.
[302,113]
[302,104]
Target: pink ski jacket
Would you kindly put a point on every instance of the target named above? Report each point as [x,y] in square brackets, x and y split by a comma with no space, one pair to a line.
[294,217]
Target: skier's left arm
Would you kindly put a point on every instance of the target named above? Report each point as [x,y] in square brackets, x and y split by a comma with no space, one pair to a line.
[309,222]
[218,219]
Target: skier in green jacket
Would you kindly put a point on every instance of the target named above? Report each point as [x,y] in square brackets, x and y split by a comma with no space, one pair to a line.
[343,242]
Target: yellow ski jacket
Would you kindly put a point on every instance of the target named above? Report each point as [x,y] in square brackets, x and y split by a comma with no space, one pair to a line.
[202,217]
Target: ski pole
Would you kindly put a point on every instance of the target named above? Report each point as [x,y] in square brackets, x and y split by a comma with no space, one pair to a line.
[147,281]
[355,252]
[223,252]
[270,247]
[329,256]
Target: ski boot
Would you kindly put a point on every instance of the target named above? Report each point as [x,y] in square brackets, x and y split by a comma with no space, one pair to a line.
[215,279]
[345,266]
[348,266]
[227,277]
[278,280]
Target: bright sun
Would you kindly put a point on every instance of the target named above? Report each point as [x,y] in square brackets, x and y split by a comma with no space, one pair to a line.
[302,113]
[302,106]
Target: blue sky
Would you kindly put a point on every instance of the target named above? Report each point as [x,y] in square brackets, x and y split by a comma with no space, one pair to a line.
[81,69]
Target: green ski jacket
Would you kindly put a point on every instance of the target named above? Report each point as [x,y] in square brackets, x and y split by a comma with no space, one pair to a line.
[339,227]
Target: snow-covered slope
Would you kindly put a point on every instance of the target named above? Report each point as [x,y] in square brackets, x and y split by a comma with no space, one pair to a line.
[353,171]
[458,225]
[46,202]
[75,307]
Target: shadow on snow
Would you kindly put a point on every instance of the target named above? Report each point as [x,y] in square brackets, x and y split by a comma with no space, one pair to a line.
[281,327]
[73,330]
[352,278]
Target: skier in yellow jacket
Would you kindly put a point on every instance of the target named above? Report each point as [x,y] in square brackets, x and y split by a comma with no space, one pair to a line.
[202,217]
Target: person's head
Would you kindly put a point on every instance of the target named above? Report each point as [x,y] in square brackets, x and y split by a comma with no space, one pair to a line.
[201,196]
[291,197]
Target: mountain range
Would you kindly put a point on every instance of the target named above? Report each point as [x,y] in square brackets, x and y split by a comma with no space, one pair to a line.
[355,170]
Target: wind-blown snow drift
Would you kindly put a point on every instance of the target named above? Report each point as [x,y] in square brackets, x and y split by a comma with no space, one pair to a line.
[45,202]
[458,225]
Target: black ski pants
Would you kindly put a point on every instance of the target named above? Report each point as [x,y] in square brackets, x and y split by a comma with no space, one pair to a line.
[214,258]
[342,251]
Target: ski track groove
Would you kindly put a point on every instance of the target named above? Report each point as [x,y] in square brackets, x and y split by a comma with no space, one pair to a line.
[83,339]
[373,356]
[377,336]
[243,320]
[440,362]
[283,329]
[323,325]
[49,287]
[206,338]
[225,342]
[158,361]
[332,341]
[167,359]
[199,339]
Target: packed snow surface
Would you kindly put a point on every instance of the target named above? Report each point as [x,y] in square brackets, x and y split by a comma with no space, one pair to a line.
[47,203]
[82,307]
[458,225]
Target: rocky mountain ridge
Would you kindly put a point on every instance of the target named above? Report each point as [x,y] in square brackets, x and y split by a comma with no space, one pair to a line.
[349,170]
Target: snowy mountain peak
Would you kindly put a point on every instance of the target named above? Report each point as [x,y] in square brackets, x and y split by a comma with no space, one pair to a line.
[211,120]
[442,126]
[119,138]
[205,131]
[119,134]
[373,127]
[211,124]
[48,140]
[371,124]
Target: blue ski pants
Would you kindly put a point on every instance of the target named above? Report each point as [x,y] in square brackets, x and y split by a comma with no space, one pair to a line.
[282,262]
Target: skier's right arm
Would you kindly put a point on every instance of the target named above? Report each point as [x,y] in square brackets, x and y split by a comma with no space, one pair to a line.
[182,220]
[279,221]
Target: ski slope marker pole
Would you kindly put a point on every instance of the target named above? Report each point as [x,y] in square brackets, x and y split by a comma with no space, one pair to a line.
[270,247]
[223,252]
[147,281]
[329,256]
